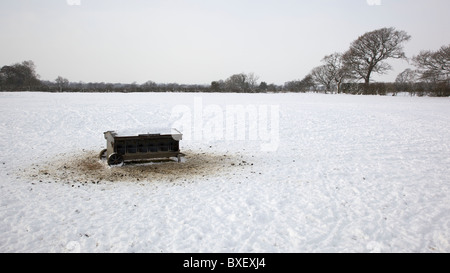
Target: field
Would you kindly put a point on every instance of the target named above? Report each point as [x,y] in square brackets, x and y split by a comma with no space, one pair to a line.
[329,173]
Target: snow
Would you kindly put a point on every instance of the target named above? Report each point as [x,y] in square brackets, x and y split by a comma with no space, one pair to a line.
[142,131]
[350,174]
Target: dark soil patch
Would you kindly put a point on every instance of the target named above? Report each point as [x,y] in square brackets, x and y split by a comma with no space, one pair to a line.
[86,167]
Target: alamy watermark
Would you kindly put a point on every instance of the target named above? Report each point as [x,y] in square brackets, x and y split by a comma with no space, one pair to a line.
[236,122]
[374,2]
[73,2]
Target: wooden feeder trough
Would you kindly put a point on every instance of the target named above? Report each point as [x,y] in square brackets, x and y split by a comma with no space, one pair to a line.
[129,146]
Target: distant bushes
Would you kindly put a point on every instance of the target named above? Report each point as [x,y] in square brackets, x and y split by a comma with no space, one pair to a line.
[23,77]
[377,88]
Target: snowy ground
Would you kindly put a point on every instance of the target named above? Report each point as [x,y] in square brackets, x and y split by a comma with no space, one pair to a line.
[351,174]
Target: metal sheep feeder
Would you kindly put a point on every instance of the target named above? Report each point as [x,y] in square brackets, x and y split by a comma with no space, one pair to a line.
[128,145]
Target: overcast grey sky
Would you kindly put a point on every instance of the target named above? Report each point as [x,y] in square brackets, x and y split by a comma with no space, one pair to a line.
[199,41]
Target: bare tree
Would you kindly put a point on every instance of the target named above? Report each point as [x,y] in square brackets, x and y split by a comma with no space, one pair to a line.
[407,76]
[332,73]
[61,82]
[20,76]
[236,83]
[149,86]
[30,76]
[405,81]
[339,70]
[324,76]
[368,53]
[242,83]
[252,81]
[434,65]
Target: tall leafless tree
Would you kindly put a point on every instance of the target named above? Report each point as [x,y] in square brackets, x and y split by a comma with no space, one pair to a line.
[434,65]
[336,64]
[368,53]
[62,83]
[332,73]
[252,81]
[322,75]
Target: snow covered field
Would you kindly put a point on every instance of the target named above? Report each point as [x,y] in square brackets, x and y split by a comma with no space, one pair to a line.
[350,174]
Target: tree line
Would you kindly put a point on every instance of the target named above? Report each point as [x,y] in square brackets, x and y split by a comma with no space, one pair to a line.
[347,72]
[351,71]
